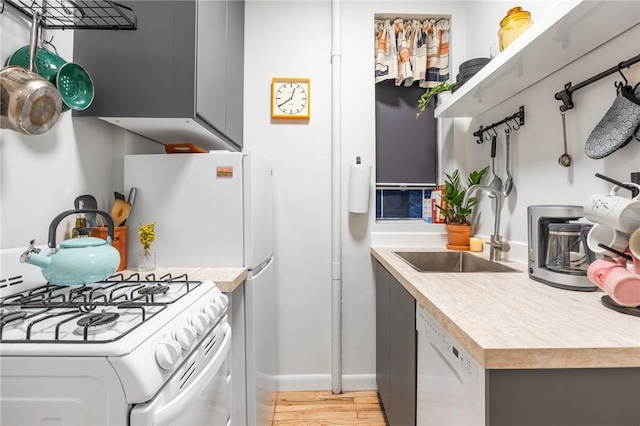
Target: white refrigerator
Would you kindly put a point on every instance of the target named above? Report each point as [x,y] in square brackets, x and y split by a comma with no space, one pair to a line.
[216,210]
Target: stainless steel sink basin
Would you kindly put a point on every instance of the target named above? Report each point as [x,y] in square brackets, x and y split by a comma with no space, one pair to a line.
[449,261]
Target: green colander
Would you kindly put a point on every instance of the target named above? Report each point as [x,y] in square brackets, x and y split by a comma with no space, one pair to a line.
[75,86]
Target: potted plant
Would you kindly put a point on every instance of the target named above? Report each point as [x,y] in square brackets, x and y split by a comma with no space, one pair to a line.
[456,215]
[147,256]
[429,93]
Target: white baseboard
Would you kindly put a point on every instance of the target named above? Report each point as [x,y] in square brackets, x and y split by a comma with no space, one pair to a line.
[314,382]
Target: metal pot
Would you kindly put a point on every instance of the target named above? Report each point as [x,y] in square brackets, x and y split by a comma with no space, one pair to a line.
[30,104]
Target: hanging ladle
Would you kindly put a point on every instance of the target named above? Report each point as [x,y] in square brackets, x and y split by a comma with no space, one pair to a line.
[496,182]
[508,184]
[565,159]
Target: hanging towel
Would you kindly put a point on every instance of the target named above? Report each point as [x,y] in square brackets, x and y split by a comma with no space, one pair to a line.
[616,129]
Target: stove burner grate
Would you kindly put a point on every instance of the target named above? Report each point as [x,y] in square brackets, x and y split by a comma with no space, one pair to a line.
[51,313]
[153,290]
[7,317]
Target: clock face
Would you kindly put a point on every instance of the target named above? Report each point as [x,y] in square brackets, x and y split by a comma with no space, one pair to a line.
[290,99]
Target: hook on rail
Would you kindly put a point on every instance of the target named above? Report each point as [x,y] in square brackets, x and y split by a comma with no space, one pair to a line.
[565,95]
[518,121]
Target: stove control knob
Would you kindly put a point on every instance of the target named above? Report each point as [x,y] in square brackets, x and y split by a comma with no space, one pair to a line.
[167,353]
[211,310]
[185,335]
[222,300]
[199,322]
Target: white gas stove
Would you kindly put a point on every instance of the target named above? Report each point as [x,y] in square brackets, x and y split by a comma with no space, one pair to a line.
[129,350]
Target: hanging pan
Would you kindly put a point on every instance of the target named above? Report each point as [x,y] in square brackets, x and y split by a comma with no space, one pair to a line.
[30,104]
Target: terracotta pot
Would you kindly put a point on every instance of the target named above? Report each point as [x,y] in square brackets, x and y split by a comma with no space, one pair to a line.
[458,234]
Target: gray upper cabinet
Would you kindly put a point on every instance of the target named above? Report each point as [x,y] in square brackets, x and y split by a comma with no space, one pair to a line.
[177,78]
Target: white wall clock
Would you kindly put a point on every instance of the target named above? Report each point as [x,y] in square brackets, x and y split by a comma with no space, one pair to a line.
[290,98]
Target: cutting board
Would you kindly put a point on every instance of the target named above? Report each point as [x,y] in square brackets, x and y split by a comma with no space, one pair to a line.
[183,148]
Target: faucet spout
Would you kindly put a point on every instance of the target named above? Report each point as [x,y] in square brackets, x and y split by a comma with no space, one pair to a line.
[496,246]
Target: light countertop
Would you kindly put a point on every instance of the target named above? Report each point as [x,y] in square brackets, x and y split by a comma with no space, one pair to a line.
[509,321]
[226,279]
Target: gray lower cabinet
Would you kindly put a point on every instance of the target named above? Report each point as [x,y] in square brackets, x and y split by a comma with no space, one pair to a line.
[177,78]
[396,348]
[534,397]
[566,397]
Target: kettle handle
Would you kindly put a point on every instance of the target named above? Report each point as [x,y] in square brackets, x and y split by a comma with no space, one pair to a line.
[56,221]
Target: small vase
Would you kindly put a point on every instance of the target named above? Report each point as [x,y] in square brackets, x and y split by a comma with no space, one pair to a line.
[146,260]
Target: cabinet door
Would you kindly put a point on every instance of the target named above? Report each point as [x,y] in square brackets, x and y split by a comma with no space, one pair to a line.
[135,72]
[211,70]
[235,74]
[395,349]
[402,356]
[382,278]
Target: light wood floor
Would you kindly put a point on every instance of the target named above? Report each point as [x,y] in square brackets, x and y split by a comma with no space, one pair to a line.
[322,408]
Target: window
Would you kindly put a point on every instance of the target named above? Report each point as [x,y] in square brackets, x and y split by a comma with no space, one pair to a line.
[410,55]
[406,154]
[400,204]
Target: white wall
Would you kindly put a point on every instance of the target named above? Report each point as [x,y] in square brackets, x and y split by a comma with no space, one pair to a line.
[301,157]
[358,139]
[292,39]
[41,175]
[538,178]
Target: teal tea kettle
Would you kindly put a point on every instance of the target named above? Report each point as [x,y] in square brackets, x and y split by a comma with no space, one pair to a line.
[77,261]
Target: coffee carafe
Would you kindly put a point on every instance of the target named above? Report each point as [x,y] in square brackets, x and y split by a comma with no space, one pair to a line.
[567,250]
[558,251]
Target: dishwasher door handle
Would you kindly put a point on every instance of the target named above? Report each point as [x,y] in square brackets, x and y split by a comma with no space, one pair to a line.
[446,361]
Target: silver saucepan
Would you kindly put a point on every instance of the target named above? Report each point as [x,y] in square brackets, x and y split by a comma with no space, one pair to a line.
[30,104]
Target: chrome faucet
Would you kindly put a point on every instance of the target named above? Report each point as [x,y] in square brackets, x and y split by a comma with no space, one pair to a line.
[496,246]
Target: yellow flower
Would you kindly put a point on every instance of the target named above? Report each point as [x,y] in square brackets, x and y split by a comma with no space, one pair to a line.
[147,235]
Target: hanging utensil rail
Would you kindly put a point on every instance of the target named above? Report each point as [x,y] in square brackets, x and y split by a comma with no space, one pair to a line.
[78,14]
[565,95]
[518,118]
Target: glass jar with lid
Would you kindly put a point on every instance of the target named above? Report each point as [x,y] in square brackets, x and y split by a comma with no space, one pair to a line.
[512,25]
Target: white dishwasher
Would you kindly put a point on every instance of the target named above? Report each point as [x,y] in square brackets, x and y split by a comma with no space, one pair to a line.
[450,389]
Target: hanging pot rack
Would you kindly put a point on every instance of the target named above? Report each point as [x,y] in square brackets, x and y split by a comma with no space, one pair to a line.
[77,14]
[518,119]
[565,95]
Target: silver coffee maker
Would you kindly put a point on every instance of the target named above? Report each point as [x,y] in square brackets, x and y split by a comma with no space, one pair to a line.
[558,253]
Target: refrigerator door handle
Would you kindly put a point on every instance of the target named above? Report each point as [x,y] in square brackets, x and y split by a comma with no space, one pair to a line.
[255,271]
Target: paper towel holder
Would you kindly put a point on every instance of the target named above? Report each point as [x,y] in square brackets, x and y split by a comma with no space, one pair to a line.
[359,187]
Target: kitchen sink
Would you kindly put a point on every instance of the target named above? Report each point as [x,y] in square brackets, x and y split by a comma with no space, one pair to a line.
[447,261]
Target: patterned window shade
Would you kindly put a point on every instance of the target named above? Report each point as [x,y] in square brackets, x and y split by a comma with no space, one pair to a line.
[407,51]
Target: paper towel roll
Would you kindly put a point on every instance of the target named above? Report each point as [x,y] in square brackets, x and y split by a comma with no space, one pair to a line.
[359,183]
